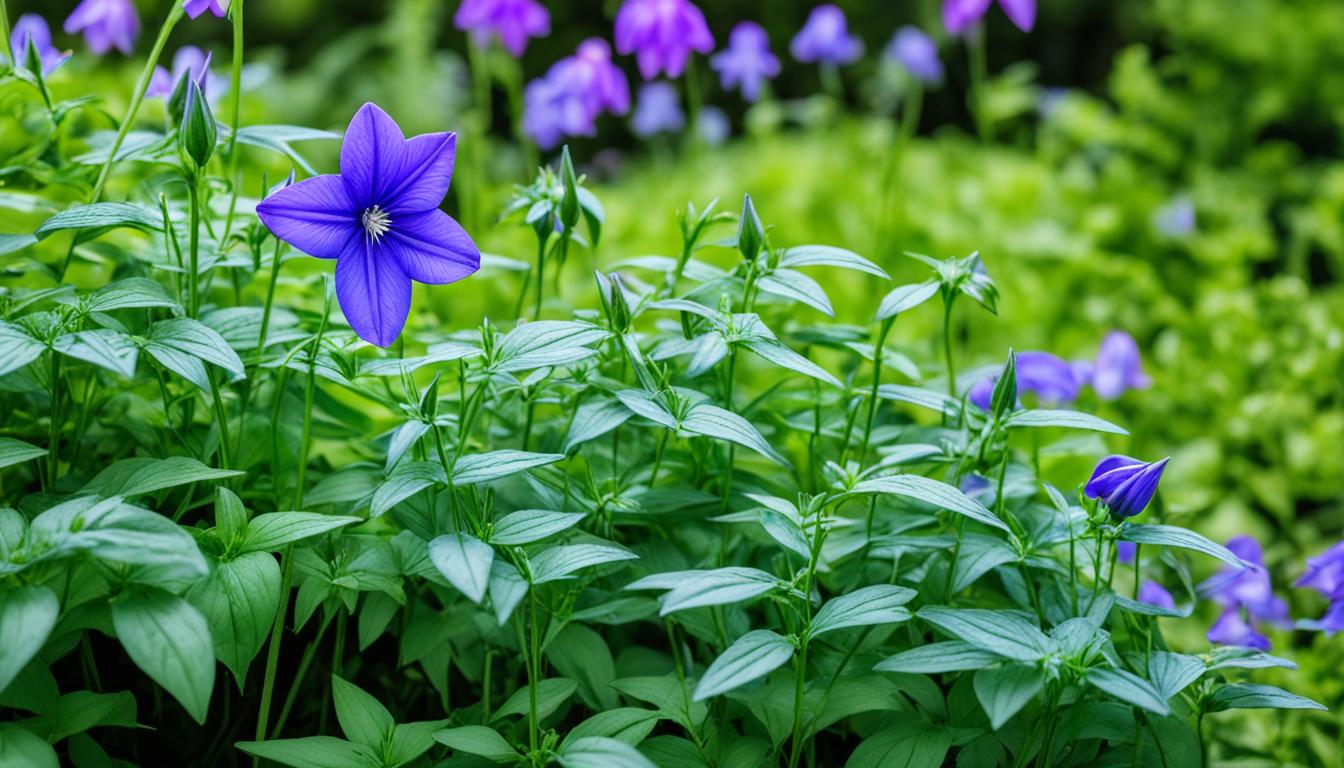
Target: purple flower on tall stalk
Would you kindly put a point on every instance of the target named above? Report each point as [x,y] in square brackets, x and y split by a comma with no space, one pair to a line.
[106,24]
[825,38]
[573,93]
[917,53]
[1125,485]
[1325,574]
[961,15]
[380,219]
[194,8]
[514,22]
[1048,376]
[32,29]
[1247,597]
[1152,593]
[194,62]
[662,34]
[747,61]
[657,110]
[1119,367]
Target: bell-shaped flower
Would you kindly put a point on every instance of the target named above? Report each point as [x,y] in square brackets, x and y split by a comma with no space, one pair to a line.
[574,92]
[379,218]
[1125,485]
[32,29]
[1118,368]
[825,38]
[917,53]
[662,34]
[747,63]
[961,15]
[1325,574]
[657,110]
[194,8]
[1152,593]
[106,24]
[514,22]
[1233,629]
[1048,376]
[189,61]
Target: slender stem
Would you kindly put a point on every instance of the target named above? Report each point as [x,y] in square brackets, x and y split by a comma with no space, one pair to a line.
[235,120]
[273,651]
[800,677]
[541,275]
[222,418]
[658,457]
[877,380]
[309,653]
[270,298]
[533,672]
[948,299]
[5,45]
[54,432]
[194,246]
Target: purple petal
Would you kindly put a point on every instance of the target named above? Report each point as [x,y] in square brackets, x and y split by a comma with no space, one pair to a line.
[315,216]
[373,292]
[983,392]
[432,248]
[1021,12]
[373,146]
[1125,551]
[1152,593]
[422,175]
[1232,629]
[1109,473]
[960,15]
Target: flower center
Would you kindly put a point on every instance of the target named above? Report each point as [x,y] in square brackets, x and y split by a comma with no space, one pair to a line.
[376,222]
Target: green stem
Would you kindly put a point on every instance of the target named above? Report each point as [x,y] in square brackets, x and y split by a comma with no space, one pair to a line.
[235,121]
[309,654]
[541,275]
[5,45]
[54,432]
[800,677]
[270,299]
[533,672]
[194,247]
[975,52]
[948,300]
[877,380]
[222,418]
[893,186]
[273,651]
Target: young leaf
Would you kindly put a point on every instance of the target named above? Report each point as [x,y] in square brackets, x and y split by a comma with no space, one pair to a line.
[1003,691]
[363,719]
[1253,696]
[27,616]
[554,563]
[785,531]
[600,752]
[507,588]
[828,256]
[775,352]
[1129,688]
[627,724]
[170,641]
[480,741]
[547,344]
[867,606]
[408,479]
[551,694]
[933,492]
[1174,536]
[528,525]
[595,419]
[1062,419]
[313,752]
[937,658]
[906,298]
[909,744]
[752,656]
[789,284]
[1002,632]
[464,561]
[270,531]
[492,465]
[697,589]
[194,338]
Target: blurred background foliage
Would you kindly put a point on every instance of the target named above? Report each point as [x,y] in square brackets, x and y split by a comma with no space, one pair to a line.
[1167,167]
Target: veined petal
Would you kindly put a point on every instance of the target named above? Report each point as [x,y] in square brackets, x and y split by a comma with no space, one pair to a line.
[432,248]
[315,216]
[418,179]
[1105,478]
[373,292]
[371,155]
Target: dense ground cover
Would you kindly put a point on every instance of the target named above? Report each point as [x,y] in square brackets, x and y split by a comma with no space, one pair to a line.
[676,501]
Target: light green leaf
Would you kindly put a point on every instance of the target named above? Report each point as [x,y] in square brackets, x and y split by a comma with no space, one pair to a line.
[528,525]
[1172,672]
[464,561]
[937,658]
[600,752]
[753,656]
[774,351]
[868,606]
[1174,536]
[1062,419]
[17,348]
[270,531]
[790,284]
[929,491]
[595,419]
[1253,696]
[555,563]
[406,480]
[363,719]
[550,695]
[1129,688]
[27,616]
[109,349]
[24,749]
[136,477]
[1002,632]
[713,421]
[827,256]
[697,589]
[480,741]
[16,452]
[170,641]
[492,465]
[1003,691]
[628,724]
[906,298]
[547,344]
[102,216]
[129,293]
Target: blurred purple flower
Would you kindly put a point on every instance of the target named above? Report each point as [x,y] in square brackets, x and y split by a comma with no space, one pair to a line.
[1125,485]
[1119,367]
[657,110]
[573,93]
[1125,551]
[1152,593]
[514,22]
[713,126]
[1247,597]
[380,219]
[1049,377]
[1047,104]
[960,15]
[194,8]
[1231,628]
[747,61]
[917,53]
[979,488]
[825,38]
[33,29]
[106,24]
[662,34]
[193,61]
[1176,219]
[1325,574]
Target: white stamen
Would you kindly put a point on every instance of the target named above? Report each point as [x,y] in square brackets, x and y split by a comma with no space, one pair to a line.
[376,222]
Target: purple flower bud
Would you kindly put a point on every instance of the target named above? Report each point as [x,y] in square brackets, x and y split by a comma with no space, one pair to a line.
[514,22]
[32,29]
[747,61]
[1125,485]
[918,53]
[106,24]
[1176,219]
[1232,629]
[662,34]
[194,8]
[1049,377]
[1119,367]
[825,38]
[961,15]
[657,110]
[1125,551]
[1152,593]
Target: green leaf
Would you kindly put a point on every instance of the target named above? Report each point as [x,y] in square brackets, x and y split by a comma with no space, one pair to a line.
[464,561]
[271,531]
[774,351]
[106,348]
[1005,633]
[239,600]
[112,530]
[411,740]
[136,477]
[752,656]
[313,752]
[130,293]
[277,138]
[492,465]
[15,243]
[1253,696]
[24,749]
[16,452]
[406,480]
[595,419]
[697,589]
[937,658]
[480,741]
[827,256]
[17,348]
[195,339]
[1003,691]
[868,606]
[600,752]
[1171,672]
[102,216]
[27,616]
[628,724]
[554,563]
[1062,419]
[507,589]
[170,641]
[906,298]
[924,398]
[712,421]
[786,531]
[363,719]
[547,344]
[528,525]
[1129,688]
[788,284]
[932,492]
[550,695]
[909,744]
[1174,536]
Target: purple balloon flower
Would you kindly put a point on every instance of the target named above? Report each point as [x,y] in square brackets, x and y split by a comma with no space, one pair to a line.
[1125,551]
[573,93]
[514,22]
[1233,629]
[825,38]
[194,8]
[1152,593]
[747,61]
[917,53]
[32,29]
[1247,597]
[1325,574]
[1119,367]
[960,15]
[106,24]
[657,110]
[662,34]
[1049,377]
[380,219]
[193,61]
[1125,485]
